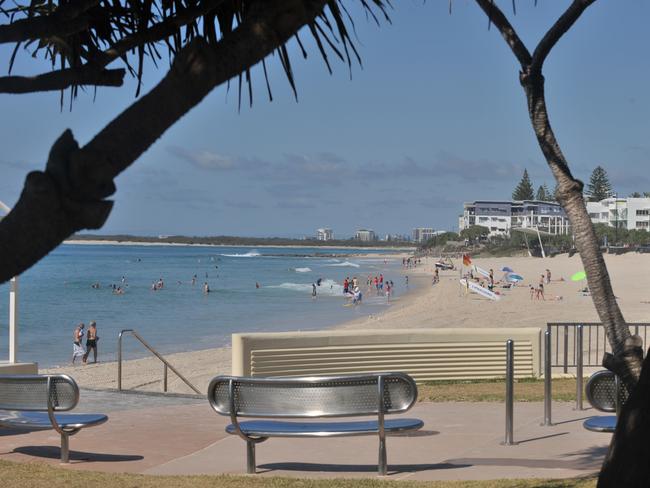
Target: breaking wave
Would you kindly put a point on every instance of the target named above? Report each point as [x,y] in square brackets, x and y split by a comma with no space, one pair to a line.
[327,287]
[250,254]
[345,264]
[302,270]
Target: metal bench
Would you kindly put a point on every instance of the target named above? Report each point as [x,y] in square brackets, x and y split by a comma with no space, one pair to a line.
[606,393]
[32,402]
[377,394]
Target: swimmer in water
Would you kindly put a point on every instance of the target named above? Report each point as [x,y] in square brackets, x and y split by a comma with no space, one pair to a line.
[206,287]
[313,290]
[257,285]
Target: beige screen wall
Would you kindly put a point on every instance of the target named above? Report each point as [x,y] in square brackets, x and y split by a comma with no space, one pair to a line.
[424,354]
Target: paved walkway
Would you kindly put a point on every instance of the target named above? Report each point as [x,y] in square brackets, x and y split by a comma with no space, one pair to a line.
[178,435]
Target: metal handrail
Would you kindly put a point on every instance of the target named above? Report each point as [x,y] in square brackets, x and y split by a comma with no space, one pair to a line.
[155,353]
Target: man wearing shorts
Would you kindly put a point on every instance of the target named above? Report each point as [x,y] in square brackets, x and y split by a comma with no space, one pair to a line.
[91,341]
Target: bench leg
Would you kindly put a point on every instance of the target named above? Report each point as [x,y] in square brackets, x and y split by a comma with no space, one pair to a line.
[250,457]
[65,448]
[383,463]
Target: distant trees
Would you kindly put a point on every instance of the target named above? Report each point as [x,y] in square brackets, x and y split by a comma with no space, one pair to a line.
[599,186]
[544,194]
[524,190]
[474,232]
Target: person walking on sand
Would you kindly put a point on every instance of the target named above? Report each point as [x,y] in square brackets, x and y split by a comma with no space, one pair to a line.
[77,348]
[540,289]
[91,342]
[548,276]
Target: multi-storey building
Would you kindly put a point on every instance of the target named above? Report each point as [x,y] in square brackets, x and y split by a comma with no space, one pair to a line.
[324,234]
[624,213]
[500,217]
[423,234]
[365,235]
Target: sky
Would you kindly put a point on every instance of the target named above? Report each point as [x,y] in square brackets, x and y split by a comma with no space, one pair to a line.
[433,118]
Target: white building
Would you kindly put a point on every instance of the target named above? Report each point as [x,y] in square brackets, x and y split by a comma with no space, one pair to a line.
[365,235]
[502,216]
[422,234]
[324,234]
[626,213]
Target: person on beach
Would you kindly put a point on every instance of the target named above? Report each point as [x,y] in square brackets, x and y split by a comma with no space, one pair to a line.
[491,280]
[540,289]
[313,291]
[91,342]
[77,348]
[548,276]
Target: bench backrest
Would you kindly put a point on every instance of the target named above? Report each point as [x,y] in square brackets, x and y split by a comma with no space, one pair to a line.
[30,392]
[333,396]
[602,389]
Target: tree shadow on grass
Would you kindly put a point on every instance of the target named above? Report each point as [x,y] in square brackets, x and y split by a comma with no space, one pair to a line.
[52,452]
[585,460]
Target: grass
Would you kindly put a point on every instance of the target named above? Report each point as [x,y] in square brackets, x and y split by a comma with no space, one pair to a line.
[27,475]
[526,390]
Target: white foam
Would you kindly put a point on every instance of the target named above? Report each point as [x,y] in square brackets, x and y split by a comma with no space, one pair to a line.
[250,254]
[327,287]
[302,270]
[345,264]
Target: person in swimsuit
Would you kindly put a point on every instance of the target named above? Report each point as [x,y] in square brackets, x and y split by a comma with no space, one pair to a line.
[77,336]
[91,341]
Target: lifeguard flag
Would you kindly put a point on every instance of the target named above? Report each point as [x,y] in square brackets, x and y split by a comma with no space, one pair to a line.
[466,260]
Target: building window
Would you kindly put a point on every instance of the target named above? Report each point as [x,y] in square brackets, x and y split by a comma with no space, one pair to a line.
[642,225]
[644,211]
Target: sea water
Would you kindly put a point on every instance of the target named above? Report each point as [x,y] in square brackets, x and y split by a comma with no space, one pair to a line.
[56,294]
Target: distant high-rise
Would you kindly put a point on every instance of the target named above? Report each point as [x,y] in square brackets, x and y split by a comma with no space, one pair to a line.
[324,234]
[422,234]
[365,235]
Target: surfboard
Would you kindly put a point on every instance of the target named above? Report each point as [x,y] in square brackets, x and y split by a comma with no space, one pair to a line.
[481,271]
[476,288]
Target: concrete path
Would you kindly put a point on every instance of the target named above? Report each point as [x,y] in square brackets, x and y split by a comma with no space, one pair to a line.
[178,435]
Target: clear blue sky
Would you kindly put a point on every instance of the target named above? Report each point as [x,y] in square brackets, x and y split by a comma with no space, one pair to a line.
[435,117]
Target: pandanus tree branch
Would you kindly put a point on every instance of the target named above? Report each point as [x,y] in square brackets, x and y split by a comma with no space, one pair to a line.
[70,194]
[67,19]
[626,463]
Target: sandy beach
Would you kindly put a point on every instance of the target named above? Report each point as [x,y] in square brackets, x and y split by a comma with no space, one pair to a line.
[441,305]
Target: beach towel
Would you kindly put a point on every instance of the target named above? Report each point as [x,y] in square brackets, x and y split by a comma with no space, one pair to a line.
[77,350]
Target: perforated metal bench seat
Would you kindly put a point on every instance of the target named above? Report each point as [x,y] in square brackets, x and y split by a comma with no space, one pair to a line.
[41,420]
[34,402]
[606,393]
[276,428]
[277,399]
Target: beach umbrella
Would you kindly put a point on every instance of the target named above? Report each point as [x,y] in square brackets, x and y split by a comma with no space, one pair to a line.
[507,269]
[514,277]
[579,276]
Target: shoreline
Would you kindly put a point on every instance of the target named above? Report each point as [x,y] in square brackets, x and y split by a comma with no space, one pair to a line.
[99,242]
[144,373]
[443,305]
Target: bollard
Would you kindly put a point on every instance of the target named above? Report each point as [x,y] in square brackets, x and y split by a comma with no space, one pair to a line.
[165,378]
[579,361]
[566,349]
[547,379]
[510,378]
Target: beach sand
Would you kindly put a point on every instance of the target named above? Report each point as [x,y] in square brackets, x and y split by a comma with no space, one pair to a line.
[441,305]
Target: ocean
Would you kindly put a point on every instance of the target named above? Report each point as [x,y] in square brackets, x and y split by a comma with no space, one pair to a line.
[56,294]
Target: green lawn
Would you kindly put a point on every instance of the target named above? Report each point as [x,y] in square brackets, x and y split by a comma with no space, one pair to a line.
[526,390]
[26,475]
